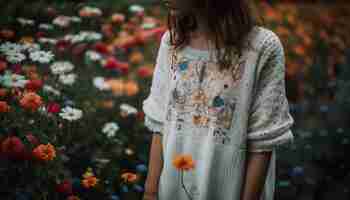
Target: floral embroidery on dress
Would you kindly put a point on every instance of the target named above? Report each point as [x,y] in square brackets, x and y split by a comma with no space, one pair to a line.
[202,94]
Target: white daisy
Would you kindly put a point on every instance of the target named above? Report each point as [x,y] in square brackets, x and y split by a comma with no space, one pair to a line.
[62,21]
[100,83]
[24,21]
[9,47]
[47,40]
[92,10]
[41,56]
[50,89]
[12,80]
[110,129]
[15,57]
[128,108]
[61,67]
[75,38]
[71,114]
[31,47]
[148,25]
[91,35]
[93,55]
[75,19]
[67,79]
[45,26]
[136,8]
[84,36]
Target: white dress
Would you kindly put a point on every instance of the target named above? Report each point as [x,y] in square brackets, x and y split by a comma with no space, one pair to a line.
[217,117]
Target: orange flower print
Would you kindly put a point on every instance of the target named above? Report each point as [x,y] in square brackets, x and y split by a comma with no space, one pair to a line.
[199,97]
[45,152]
[129,177]
[183,162]
[31,101]
[200,119]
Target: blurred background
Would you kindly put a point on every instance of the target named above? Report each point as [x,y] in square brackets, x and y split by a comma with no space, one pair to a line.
[73,75]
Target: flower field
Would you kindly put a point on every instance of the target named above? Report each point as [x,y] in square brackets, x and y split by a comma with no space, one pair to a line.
[73,77]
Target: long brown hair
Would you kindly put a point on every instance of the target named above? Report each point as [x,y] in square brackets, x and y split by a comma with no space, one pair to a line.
[226,22]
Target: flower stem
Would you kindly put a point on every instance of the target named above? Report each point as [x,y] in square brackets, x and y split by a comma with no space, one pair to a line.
[183,185]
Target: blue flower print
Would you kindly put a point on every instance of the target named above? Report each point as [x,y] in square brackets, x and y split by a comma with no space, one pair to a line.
[183,66]
[218,101]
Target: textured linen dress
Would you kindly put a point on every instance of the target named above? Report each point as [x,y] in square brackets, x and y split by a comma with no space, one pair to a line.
[217,117]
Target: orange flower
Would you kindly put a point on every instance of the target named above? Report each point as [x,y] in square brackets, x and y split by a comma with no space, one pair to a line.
[131,88]
[27,40]
[90,179]
[4,107]
[89,182]
[300,50]
[136,57]
[129,177]
[31,101]
[45,152]
[72,197]
[117,86]
[118,18]
[109,104]
[7,33]
[183,162]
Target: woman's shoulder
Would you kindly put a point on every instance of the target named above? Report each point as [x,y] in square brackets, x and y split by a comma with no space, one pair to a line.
[264,39]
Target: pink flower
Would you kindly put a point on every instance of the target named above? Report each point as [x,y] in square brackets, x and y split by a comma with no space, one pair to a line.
[32,139]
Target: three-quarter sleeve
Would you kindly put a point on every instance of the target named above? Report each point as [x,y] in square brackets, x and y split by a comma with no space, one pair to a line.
[155,104]
[269,123]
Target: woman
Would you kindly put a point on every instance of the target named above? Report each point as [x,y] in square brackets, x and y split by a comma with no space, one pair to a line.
[218,95]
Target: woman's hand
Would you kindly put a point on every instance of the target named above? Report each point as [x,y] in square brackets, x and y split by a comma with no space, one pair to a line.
[255,175]
[155,168]
[149,196]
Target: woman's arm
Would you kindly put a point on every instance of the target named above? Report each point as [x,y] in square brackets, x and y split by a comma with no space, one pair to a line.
[255,174]
[155,165]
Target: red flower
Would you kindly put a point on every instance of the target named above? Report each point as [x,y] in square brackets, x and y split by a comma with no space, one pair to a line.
[101,47]
[62,45]
[53,108]
[140,115]
[107,30]
[111,63]
[17,68]
[144,71]
[79,49]
[3,65]
[40,34]
[13,147]
[44,152]
[4,107]
[34,85]
[31,101]
[65,187]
